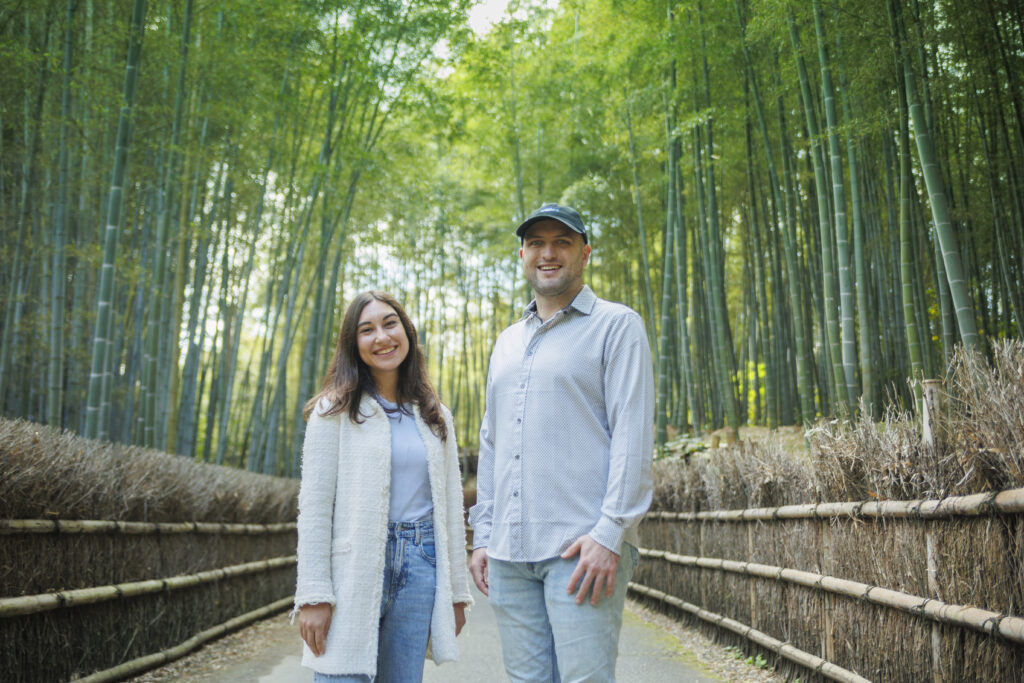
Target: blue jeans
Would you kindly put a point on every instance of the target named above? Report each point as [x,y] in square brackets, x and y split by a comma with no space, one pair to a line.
[545,635]
[405,607]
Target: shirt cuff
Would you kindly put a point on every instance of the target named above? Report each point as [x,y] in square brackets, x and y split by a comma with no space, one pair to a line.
[481,537]
[609,534]
[480,521]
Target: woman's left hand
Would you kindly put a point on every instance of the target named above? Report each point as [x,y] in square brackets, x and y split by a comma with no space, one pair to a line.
[314,620]
[460,616]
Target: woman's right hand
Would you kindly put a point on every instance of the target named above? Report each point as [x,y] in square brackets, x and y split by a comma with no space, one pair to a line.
[314,620]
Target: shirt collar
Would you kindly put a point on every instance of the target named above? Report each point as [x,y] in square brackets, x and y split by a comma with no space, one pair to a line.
[391,409]
[583,302]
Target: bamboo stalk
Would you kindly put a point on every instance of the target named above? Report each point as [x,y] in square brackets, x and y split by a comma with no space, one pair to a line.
[94,526]
[140,664]
[805,659]
[33,604]
[1006,502]
[985,621]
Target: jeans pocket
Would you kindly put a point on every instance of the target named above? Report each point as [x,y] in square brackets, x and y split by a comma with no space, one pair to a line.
[426,548]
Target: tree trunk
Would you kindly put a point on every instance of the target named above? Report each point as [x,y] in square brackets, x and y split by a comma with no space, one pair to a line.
[938,197]
[645,268]
[101,339]
[847,328]
[55,388]
[830,322]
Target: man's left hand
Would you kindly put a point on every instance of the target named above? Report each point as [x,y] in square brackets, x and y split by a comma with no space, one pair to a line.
[595,570]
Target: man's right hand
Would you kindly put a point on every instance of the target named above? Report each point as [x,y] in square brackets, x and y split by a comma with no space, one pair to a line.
[478,568]
[314,620]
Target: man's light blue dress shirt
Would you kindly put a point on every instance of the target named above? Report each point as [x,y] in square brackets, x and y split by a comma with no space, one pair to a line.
[567,437]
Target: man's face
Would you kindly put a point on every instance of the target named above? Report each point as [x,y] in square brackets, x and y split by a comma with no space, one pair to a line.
[553,258]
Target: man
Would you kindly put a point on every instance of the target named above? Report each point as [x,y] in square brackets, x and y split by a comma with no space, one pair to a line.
[564,474]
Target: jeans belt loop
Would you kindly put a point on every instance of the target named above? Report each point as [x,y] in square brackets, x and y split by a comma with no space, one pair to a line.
[419,530]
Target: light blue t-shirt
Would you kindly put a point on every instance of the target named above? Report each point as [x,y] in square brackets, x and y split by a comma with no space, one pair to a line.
[410,482]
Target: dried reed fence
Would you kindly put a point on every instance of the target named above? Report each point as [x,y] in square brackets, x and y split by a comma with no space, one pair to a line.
[923,580]
[100,577]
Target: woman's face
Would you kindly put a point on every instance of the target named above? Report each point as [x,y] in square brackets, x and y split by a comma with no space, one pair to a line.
[381,339]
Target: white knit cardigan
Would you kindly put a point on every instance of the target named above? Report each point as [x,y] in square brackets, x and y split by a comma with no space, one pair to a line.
[346,477]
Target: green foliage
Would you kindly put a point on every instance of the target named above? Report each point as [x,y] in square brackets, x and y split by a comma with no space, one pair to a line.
[682,446]
[354,144]
[759,661]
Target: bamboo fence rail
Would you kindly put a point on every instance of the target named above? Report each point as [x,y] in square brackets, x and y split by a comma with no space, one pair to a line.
[1006,502]
[188,546]
[156,659]
[94,526]
[33,604]
[925,601]
[805,659]
[985,621]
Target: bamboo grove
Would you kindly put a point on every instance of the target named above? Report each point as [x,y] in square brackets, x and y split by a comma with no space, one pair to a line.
[808,202]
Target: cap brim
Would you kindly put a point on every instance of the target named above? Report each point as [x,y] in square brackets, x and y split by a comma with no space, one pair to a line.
[521,230]
[530,221]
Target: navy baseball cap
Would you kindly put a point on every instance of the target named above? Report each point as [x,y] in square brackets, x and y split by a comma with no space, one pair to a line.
[563,214]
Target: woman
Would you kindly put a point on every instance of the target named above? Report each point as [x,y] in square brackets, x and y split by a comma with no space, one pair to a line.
[381,552]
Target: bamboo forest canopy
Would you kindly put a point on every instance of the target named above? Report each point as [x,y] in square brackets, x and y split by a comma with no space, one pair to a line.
[809,203]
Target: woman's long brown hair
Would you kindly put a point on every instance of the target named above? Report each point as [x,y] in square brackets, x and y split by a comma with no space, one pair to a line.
[348,377]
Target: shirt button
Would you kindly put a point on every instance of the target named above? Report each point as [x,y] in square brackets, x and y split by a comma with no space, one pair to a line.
[522,386]
[515,494]
[519,420]
[517,456]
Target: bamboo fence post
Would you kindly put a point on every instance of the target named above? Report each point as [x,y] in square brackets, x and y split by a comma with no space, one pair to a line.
[750,582]
[933,589]
[929,416]
[700,575]
[930,406]
[828,645]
